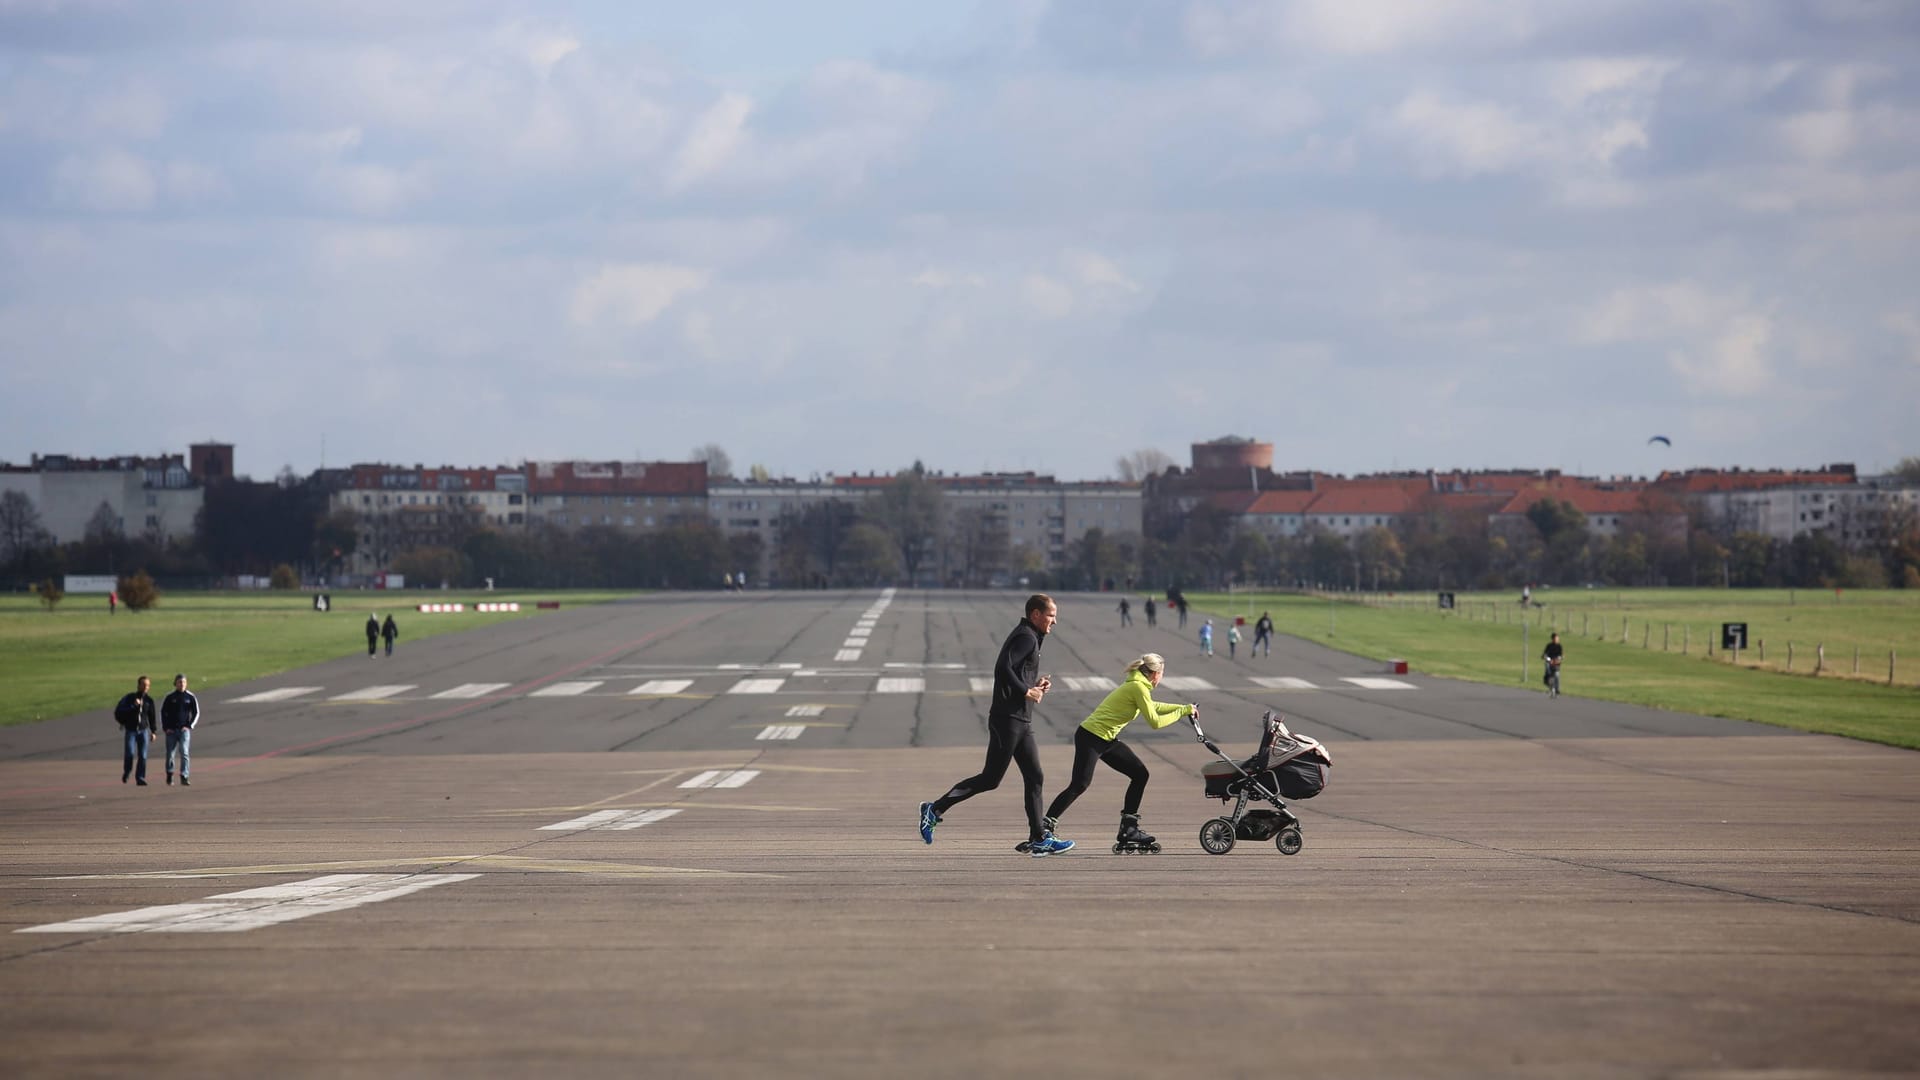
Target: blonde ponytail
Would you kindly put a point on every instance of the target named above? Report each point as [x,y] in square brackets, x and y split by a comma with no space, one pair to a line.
[1149,662]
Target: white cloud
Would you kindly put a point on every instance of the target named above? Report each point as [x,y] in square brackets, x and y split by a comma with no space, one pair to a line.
[1464,138]
[109,181]
[631,294]
[713,139]
[1050,298]
[1097,271]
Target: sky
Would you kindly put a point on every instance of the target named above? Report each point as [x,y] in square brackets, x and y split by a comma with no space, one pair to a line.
[848,235]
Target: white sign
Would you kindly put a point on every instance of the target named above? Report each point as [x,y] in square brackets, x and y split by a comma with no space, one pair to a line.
[91,583]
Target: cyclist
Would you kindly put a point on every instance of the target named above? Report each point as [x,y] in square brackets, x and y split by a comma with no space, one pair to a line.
[1551,654]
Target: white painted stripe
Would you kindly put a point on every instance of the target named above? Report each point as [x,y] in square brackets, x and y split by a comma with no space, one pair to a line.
[565,689]
[980,684]
[373,693]
[901,686]
[806,710]
[757,686]
[924,665]
[1283,682]
[662,686]
[472,690]
[1365,683]
[1087,682]
[861,629]
[613,820]
[846,654]
[251,909]
[282,694]
[854,643]
[782,731]
[1186,682]
[721,778]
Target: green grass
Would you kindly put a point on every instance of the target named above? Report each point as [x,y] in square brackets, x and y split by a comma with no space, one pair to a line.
[78,658]
[1477,642]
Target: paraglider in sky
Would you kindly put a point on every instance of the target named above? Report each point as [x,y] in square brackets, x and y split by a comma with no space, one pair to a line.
[1660,439]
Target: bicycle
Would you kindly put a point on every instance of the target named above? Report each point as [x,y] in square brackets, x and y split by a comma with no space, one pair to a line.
[1553,678]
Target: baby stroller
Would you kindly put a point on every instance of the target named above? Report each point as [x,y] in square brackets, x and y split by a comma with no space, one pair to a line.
[1287,765]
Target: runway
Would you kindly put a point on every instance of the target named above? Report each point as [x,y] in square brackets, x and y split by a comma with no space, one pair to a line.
[675,836]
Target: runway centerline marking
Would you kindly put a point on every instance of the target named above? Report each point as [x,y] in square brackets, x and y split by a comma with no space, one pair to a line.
[472,690]
[806,710]
[721,778]
[373,693]
[1370,683]
[612,820]
[757,686]
[1186,682]
[662,687]
[566,689]
[900,686]
[283,694]
[1283,682]
[786,732]
[251,909]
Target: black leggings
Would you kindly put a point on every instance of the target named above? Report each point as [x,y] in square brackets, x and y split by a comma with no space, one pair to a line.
[1089,748]
[1009,740]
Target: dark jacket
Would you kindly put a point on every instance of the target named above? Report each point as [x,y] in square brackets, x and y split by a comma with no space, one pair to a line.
[134,710]
[373,629]
[1015,671]
[389,630]
[180,710]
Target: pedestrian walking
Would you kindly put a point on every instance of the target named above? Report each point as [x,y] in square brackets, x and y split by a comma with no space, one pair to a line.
[113,602]
[138,722]
[1098,739]
[1233,639]
[1262,636]
[1126,618]
[389,631]
[1206,639]
[373,634]
[1017,685]
[179,715]
[1148,607]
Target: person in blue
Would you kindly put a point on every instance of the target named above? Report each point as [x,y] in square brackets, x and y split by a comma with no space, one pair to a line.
[179,715]
[1206,639]
[138,722]
[1017,685]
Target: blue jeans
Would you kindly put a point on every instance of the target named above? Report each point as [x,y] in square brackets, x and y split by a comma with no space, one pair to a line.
[182,741]
[136,753]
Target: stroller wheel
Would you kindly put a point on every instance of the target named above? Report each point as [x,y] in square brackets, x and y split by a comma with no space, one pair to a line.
[1216,836]
[1289,841]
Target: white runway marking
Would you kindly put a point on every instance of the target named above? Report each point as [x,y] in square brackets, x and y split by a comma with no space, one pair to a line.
[662,686]
[1377,684]
[980,684]
[928,665]
[1087,682]
[806,710]
[564,689]
[782,731]
[757,686]
[1283,682]
[845,655]
[860,631]
[373,693]
[1186,682]
[900,686]
[472,690]
[721,778]
[282,694]
[854,643]
[251,909]
[611,820]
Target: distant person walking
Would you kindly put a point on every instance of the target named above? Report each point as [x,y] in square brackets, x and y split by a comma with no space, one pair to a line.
[138,721]
[389,631]
[373,634]
[1180,605]
[1233,639]
[1206,639]
[113,602]
[1551,655]
[1262,636]
[1098,739]
[1017,685]
[1126,616]
[1148,607]
[179,715]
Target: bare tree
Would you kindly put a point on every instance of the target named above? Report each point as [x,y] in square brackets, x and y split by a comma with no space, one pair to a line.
[20,527]
[104,526]
[718,463]
[1141,464]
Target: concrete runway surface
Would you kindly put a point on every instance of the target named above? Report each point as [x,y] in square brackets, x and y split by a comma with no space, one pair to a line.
[675,837]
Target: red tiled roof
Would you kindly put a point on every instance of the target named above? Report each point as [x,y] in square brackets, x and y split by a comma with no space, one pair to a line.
[1359,497]
[1280,502]
[1697,483]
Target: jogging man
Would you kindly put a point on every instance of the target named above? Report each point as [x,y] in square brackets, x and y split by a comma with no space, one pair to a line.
[1017,684]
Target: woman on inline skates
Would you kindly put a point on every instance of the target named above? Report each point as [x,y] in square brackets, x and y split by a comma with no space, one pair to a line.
[1098,739]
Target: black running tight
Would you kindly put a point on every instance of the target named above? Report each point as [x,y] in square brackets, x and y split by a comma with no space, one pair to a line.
[1009,741]
[1089,748]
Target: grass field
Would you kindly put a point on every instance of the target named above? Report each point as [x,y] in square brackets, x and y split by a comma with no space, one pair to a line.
[78,658]
[1483,640]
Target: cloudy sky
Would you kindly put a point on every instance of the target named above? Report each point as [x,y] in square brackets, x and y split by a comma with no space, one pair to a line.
[1014,234]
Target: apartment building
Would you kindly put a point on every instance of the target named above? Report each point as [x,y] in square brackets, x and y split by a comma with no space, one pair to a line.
[157,497]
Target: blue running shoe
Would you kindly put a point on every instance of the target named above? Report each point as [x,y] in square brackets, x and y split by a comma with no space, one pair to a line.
[1049,845]
[928,819]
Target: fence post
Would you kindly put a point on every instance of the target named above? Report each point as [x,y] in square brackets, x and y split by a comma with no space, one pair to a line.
[1583,624]
[1763,650]
[1666,636]
[1789,654]
[1820,658]
[1686,639]
[1856,659]
[1889,667]
[1524,649]
[1646,635]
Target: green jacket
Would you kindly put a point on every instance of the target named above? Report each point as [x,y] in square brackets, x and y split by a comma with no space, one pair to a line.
[1132,698]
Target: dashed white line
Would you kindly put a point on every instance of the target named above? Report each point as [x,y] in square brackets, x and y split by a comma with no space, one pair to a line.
[806,710]
[1366,683]
[1087,682]
[612,820]
[662,686]
[374,693]
[721,778]
[565,689]
[1186,682]
[900,686]
[980,684]
[282,694]
[251,909]
[1283,682]
[845,655]
[757,686]
[781,731]
[472,690]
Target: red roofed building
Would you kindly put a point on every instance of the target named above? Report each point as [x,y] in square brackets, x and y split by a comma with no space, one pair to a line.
[1350,507]
[618,494]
